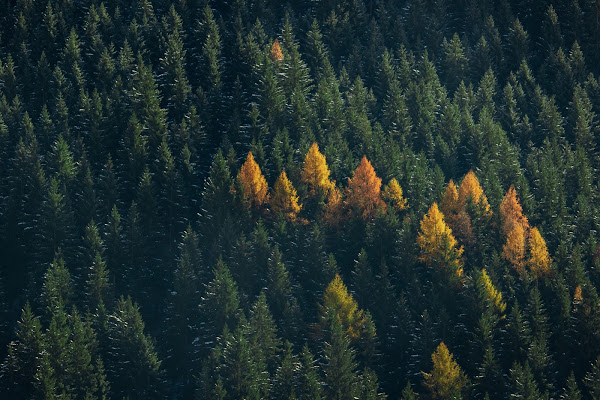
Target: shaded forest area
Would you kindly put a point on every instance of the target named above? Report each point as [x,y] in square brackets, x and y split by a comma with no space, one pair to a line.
[248,199]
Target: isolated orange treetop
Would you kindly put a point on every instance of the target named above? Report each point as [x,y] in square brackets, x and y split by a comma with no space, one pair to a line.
[315,172]
[276,54]
[364,190]
[511,212]
[470,187]
[254,183]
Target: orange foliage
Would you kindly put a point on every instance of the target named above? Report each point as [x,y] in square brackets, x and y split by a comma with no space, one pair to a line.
[254,183]
[449,204]
[333,207]
[470,188]
[539,259]
[393,195]
[284,199]
[455,215]
[364,190]
[438,245]
[315,172]
[514,248]
[577,298]
[276,54]
[511,212]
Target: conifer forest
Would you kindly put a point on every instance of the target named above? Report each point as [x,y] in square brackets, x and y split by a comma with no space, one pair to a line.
[308,200]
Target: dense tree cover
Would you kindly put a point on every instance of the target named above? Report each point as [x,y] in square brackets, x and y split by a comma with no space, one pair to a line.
[304,200]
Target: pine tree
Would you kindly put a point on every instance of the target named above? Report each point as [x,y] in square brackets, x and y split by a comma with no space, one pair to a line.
[220,302]
[309,381]
[253,182]
[339,365]
[284,198]
[446,379]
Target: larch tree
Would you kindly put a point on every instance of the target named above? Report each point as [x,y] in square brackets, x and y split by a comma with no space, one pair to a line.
[455,214]
[446,379]
[276,54]
[337,300]
[449,204]
[315,172]
[253,182]
[284,199]
[511,212]
[364,190]
[438,245]
[514,248]
[471,189]
[332,214]
[489,294]
[539,260]
[392,193]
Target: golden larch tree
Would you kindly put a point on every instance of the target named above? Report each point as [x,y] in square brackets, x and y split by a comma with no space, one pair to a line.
[514,248]
[284,199]
[449,204]
[437,244]
[337,299]
[333,212]
[577,298]
[446,379]
[364,190]
[315,172]
[470,188]
[490,293]
[254,183]
[276,54]
[392,193]
[511,212]
[539,259]
[455,215]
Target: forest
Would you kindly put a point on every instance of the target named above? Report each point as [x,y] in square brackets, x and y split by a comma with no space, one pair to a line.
[314,199]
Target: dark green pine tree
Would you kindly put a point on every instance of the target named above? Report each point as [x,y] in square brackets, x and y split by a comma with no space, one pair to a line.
[57,289]
[523,383]
[339,365]
[132,364]
[571,390]
[262,335]
[310,385]
[24,356]
[286,376]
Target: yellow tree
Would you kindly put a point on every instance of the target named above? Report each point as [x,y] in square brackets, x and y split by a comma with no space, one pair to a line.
[337,299]
[489,293]
[332,214]
[254,183]
[514,248]
[455,215]
[449,204]
[276,54]
[315,172]
[470,188]
[284,199]
[446,379]
[539,259]
[511,212]
[364,190]
[437,244]
[392,193]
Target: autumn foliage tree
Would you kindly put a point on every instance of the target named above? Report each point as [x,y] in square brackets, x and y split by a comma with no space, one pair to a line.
[514,248]
[276,54]
[511,212]
[438,245]
[284,199]
[337,301]
[471,189]
[315,172]
[446,379]
[364,190]
[254,183]
[455,214]
[539,260]
[392,193]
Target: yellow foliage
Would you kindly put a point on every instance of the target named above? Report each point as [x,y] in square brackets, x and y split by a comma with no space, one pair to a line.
[577,298]
[514,248]
[437,243]
[284,199]
[446,379]
[449,204]
[539,259]
[364,190]
[470,188]
[491,293]
[254,183]
[333,207]
[393,195]
[511,212]
[276,54]
[336,298]
[315,172]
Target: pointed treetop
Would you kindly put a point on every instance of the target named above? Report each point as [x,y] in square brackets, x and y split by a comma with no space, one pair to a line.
[364,190]
[285,199]
[253,182]
[490,293]
[276,54]
[511,212]
[336,299]
[315,172]
[394,196]
[446,379]
[539,259]
[470,188]
[449,204]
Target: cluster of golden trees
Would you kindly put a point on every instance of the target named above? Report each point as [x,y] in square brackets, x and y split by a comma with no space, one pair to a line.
[362,196]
